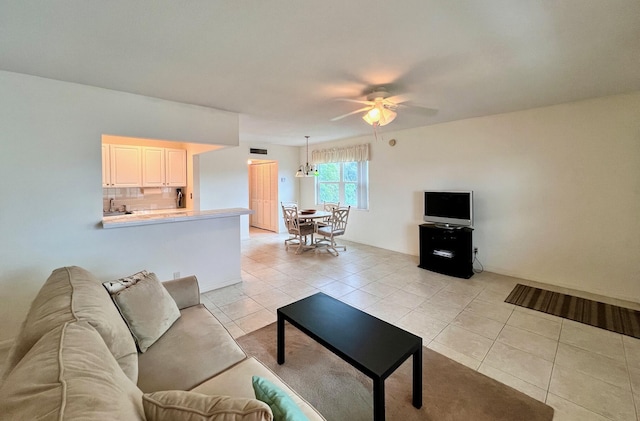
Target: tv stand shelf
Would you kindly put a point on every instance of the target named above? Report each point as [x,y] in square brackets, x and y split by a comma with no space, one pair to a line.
[446,250]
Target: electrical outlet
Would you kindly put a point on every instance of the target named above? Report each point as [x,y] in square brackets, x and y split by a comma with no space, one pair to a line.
[475,250]
[176,275]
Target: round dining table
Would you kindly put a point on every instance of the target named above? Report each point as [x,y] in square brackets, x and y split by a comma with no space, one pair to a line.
[311,216]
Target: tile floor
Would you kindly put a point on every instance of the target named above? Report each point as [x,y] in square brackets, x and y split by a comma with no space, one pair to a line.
[585,373]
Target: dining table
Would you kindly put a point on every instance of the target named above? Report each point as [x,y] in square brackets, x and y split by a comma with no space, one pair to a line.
[305,215]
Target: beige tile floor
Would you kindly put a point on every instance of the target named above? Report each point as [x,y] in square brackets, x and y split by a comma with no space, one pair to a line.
[583,372]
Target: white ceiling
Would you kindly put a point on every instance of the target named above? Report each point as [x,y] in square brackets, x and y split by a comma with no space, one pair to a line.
[282,63]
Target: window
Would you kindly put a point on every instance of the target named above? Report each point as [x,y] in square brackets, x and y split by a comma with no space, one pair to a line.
[344,182]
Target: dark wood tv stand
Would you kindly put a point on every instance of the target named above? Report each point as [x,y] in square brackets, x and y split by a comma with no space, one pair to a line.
[446,250]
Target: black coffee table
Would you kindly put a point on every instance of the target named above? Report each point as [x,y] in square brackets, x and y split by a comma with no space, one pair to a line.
[371,345]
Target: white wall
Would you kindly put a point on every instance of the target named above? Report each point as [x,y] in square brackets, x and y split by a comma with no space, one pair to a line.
[557,191]
[226,174]
[51,193]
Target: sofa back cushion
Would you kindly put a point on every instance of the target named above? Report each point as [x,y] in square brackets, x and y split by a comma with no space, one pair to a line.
[70,374]
[74,294]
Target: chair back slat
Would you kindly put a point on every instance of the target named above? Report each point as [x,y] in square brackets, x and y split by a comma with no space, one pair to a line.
[290,215]
[292,221]
[330,206]
[339,218]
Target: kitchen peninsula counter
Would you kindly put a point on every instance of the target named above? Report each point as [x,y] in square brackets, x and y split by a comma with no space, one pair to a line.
[169,216]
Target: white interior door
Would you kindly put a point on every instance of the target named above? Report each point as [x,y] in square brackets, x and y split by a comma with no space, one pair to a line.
[263,195]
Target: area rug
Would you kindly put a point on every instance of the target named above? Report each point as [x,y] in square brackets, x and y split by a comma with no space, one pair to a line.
[451,391]
[594,313]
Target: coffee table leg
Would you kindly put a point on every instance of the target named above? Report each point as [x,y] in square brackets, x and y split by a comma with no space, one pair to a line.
[417,378]
[280,326]
[378,399]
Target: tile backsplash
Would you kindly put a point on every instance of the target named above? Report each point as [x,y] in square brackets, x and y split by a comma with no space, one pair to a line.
[139,199]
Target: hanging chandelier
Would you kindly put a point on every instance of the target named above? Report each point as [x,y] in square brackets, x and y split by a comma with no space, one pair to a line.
[307,170]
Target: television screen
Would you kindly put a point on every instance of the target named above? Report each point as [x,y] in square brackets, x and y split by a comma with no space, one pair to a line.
[449,207]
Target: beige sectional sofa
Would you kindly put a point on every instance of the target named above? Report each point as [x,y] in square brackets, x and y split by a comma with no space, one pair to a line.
[75,358]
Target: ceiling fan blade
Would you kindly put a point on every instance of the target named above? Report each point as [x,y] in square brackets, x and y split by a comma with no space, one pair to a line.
[357,101]
[351,113]
[416,107]
[398,99]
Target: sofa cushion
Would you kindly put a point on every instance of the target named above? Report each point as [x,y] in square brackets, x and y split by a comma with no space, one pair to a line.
[70,374]
[73,293]
[147,308]
[237,382]
[177,405]
[196,348]
[282,406]
[118,285]
[185,291]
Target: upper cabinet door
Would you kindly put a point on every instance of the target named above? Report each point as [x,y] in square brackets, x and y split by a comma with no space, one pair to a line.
[106,166]
[153,167]
[126,168]
[176,167]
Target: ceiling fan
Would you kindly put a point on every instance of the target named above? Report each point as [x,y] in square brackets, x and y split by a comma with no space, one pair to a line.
[381,107]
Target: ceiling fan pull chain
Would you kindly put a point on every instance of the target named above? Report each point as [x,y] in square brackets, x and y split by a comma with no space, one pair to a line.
[375,132]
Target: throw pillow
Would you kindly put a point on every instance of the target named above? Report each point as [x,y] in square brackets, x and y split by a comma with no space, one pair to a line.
[178,405]
[147,308]
[119,284]
[282,406]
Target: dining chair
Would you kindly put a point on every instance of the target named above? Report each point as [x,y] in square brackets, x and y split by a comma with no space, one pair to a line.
[337,226]
[327,207]
[288,205]
[298,230]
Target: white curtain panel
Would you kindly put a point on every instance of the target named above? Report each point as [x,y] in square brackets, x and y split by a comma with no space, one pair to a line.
[357,153]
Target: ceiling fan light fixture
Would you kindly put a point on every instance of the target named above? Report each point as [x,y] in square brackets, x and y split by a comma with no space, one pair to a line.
[372,116]
[387,117]
[379,116]
[381,107]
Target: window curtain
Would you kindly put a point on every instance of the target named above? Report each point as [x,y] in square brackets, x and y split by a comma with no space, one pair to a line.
[357,153]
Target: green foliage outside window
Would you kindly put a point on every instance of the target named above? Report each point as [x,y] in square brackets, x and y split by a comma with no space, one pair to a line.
[329,192]
[340,182]
[329,172]
[351,194]
[350,171]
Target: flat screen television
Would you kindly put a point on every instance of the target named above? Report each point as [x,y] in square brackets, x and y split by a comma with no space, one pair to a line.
[449,208]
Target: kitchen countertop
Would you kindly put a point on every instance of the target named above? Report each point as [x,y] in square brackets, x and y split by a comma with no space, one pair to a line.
[168,216]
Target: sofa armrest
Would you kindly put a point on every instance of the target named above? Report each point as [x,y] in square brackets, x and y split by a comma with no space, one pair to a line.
[185,291]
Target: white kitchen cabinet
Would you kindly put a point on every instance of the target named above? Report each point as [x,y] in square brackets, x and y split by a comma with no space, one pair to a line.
[153,167]
[124,166]
[106,166]
[164,167]
[176,167]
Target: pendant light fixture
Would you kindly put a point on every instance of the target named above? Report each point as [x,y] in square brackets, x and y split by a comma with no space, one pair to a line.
[307,170]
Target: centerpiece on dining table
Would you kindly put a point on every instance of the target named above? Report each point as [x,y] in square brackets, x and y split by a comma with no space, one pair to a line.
[307,211]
